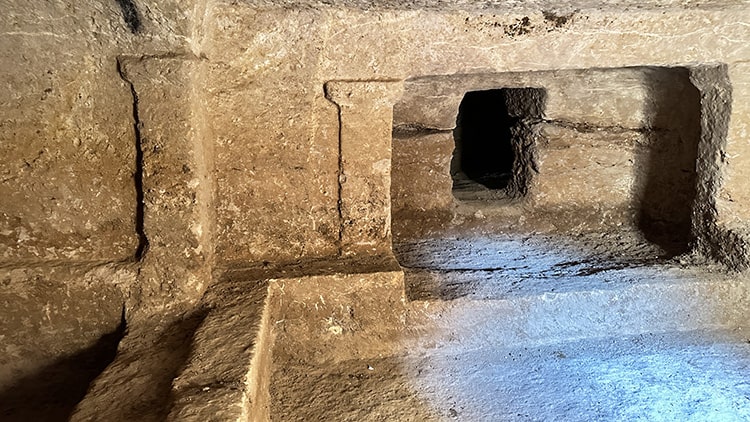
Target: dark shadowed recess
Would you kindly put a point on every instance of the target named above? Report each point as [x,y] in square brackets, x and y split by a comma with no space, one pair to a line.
[165,356]
[130,15]
[666,178]
[138,174]
[494,141]
[483,131]
[161,352]
[52,393]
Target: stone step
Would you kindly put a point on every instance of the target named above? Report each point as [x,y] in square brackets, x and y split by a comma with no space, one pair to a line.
[505,290]
[656,302]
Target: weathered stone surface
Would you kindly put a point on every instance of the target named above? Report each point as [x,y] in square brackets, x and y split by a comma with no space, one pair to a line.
[276,160]
[224,374]
[428,42]
[67,141]
[244,162]
[558,293]
[599,97]
[721,235]
[621,143]
[100,28]
[420,176]
[50,312]
[67,178]
[411,43]
[585,169]
[137,384]
[176,179]
[366,116]
[66,126]
[354,315]
[507,301]
[735,195]
[565,379]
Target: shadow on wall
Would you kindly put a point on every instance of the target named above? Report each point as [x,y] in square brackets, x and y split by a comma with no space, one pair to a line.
[665,167]
[52,393]
[161,353]
[165,360]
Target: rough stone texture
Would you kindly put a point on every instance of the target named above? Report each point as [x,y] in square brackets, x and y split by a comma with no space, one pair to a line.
[176,179]
[519,293]
[420,177]
[429,41]
[355,314]
[219,380]
[619,146]
[599,97]
[256,161]
[47,313]
[66,131]
[68,218]
[406,42]
[68,148]
[675,376]
[276,163]
[137,384]
[734,195]
[586,169]
[366,119]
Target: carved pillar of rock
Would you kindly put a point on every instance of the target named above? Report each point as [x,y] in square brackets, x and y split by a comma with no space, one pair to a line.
[366,121]
[176,179]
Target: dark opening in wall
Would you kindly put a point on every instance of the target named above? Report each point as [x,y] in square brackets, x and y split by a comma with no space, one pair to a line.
[495,143]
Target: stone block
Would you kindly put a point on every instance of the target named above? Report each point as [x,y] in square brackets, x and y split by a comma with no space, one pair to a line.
[581,170]
[276,136]
[366,118]
[420,174]
[521,38]
[355,315]
[734,196]
[220,377]
[66,125]
[68,148]
[137,384]
[598,97]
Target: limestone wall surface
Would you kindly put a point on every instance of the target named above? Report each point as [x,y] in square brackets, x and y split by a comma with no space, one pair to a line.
[281,59]
[620,144]
[262,165]
[70,229]
[147,146]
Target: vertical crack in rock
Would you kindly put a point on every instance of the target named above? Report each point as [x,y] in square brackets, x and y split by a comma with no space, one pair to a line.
[138,175]
[130,15]
[340,181]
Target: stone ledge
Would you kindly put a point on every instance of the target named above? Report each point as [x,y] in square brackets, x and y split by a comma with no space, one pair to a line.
[218,382]
[227,375]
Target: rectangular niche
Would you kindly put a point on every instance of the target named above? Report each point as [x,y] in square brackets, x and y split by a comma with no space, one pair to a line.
[616,147]
[495,141]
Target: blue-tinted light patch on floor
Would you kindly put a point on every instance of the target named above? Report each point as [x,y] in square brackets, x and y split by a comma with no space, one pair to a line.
[695,376]
[539,328]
